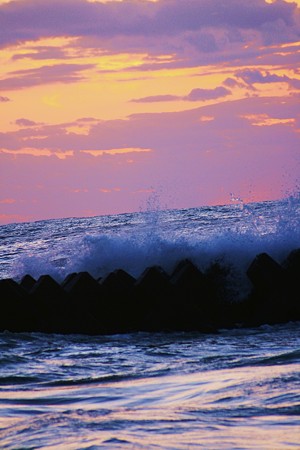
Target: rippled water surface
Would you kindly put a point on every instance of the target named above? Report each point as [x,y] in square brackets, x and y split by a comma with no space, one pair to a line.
[234,390]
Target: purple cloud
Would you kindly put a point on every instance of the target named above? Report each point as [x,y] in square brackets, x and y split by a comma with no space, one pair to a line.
[204,159]
[4,99]
[164,131]
[231,82]
[147,20]
[44,52]
[66,73]
[251,76]
[207,94]
[194,32]
[26,123]
[195,95]
[203,42]
[156,98]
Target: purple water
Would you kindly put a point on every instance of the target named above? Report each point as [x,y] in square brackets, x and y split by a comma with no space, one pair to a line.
[238,389]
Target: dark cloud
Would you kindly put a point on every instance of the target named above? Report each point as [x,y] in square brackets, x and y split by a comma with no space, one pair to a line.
[195,95]
[207,94]
[32,19]
[87,120]
[252,76]
[26,123]
[194,32]
[157,98]
[230,82]
[193,14]
[204,42]
[66,73]
[4,99]
[44,52]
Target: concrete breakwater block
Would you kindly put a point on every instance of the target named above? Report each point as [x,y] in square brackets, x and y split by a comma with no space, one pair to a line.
[27,282]
[265,273]
[118,305]
[193,299]
[82,295]
[292,267]
[16,313]
[152,296]
[274,298]
[47,300]
[187,299]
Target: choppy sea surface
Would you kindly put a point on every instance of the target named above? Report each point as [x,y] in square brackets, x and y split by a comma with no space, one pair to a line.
[236,389]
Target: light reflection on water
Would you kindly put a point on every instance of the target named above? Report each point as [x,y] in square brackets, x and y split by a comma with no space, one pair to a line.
[238,389]
[245,407]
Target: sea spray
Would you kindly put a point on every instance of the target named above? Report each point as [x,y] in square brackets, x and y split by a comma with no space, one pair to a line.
[231,234]
[221,390]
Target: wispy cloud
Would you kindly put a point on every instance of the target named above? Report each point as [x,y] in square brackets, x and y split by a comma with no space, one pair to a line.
[57,73]
[37,152]
[42,52]
[199,154]
[208,94]
[116,151]
[157,98]
[253,76]
[7,201]
[26,123]
[262,120]
[197,94]
[200,96]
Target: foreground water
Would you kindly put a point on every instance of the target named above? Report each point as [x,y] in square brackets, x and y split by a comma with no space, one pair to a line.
[237,389]
[234,390]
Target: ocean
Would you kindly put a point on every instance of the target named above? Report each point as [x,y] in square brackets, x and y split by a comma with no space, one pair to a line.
[231,389]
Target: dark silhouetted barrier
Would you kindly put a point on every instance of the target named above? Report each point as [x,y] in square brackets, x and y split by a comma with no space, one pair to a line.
[185,300]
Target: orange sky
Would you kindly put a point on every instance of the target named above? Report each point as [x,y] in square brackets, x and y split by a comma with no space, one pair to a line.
[140,96]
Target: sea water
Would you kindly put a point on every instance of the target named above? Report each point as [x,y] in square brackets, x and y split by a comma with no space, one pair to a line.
[235,389]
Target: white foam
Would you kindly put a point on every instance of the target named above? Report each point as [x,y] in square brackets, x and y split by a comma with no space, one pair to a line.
[234,235]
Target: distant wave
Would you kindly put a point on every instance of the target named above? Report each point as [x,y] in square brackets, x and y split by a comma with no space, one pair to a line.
[233,234]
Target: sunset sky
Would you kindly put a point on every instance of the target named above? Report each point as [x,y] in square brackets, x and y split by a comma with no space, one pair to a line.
[106,103]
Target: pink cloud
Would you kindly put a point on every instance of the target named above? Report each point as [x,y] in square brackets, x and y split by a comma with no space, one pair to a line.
[195,95]
[26,123]
[57,73]
[157,98]
[14,218]
[43,52]
[252,76]
[198,156]
[116,151]
[207,94]
[195,161]
[8,201]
